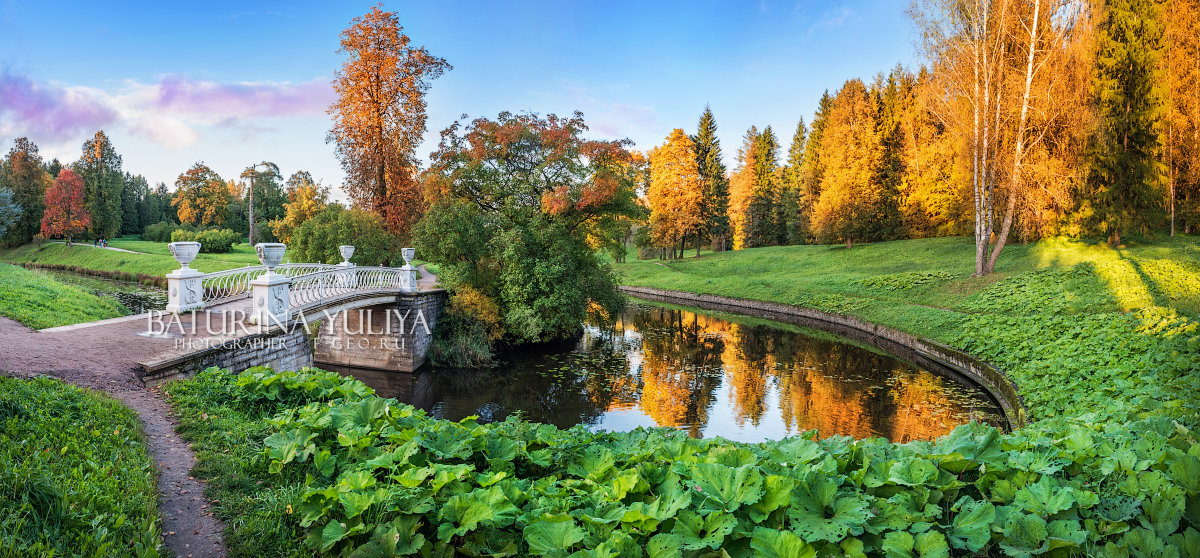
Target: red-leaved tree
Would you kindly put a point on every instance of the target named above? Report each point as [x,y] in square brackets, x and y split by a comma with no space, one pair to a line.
[66,211]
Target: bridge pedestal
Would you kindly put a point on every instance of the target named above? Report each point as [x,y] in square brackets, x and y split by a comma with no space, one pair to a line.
[394,337]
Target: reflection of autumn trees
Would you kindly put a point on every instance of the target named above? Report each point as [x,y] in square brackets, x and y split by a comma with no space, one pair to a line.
[823,385]
[680,366]
[672,365]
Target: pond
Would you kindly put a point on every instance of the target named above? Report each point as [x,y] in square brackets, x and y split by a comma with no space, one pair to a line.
[708,374]
[138,298]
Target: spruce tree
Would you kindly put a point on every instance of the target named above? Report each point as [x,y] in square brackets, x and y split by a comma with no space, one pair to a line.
[715,206]
[813,171]
[1125,174]
[792,223]
[762,229]
[886,221]
[100,167]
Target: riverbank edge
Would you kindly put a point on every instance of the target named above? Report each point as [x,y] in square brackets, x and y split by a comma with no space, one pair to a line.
[937,357]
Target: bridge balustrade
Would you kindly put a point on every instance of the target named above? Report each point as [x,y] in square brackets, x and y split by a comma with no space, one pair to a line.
[277,290]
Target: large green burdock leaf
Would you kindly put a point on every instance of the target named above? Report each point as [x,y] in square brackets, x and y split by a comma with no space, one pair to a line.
[777,492]
[1163,511]
[902,544]
[818,514]
[726,488]
[797,450]
[284,447]
[552,535]
[664,545]
[698,532]
[1024,535]
[449,441]
[972,528]
[357,501]
[647,516]
[358,414]
[398,537]
[913,472]
[1045,497]
[1065,533]
[462,513]
[770,543]
[594,464]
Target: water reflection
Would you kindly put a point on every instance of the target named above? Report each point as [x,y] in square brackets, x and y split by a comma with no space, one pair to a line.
[708,375]
[139,299]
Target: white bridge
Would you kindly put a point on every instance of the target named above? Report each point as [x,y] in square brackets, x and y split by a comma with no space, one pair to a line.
[280,291]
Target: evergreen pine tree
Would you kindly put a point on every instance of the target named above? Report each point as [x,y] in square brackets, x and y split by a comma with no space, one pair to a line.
[813,171]
[762,229]
[1126,175]
[792,223]
[715,206]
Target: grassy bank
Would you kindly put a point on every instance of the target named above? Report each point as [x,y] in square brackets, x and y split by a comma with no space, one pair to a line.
[156,261]
[39,301]
[75,476]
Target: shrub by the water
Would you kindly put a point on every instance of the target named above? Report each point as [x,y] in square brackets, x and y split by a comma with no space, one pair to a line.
[75,476]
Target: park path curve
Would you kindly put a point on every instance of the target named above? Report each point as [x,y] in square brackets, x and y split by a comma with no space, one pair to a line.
[105,357]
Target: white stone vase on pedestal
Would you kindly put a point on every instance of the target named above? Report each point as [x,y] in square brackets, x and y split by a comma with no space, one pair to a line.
[269,292]
[347,252]
[185,290]
[408,273]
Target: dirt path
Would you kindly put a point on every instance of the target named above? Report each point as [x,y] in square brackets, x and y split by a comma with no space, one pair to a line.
[105,358]
[73,244]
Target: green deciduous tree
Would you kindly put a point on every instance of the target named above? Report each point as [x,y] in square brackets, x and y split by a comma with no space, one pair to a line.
[134,194]
[22,174]
[513,201]
[317,239]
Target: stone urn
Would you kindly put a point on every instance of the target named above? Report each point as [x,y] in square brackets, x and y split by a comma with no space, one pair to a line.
[270,254]
[184,252]
[407,254]
[347,252]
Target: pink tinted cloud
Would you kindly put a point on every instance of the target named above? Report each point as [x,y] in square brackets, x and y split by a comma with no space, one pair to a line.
[243,100]
[51,112]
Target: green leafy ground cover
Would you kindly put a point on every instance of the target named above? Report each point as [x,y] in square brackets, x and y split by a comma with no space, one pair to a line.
[316,462]
[39,301]
[75,476]
[1103,344]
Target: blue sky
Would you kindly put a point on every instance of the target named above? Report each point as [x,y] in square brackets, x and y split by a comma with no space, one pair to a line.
[233,83]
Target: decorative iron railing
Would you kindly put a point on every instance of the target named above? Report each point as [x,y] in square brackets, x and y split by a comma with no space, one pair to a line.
[279,291]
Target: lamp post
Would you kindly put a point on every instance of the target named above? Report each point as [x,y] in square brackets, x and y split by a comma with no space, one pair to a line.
[253,169]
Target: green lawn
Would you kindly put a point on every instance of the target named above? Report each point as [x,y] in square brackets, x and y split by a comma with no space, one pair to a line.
[156,261]
[39,301]
[75,475]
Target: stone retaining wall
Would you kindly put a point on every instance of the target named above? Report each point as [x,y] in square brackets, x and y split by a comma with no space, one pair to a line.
[277,347]
[926,353]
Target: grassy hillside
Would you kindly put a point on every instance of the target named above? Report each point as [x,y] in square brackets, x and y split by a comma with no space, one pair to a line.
[154,258]
[39,301]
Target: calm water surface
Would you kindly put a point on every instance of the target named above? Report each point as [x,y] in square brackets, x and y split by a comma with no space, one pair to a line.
[710,375]
[137,298]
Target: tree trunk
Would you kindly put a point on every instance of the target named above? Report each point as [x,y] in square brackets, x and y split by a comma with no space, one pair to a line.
[1019,149]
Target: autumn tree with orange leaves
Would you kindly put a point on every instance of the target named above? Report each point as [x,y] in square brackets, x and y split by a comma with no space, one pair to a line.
[379,116]
[676,193]
[201,197]
[513,201]
[66,212]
